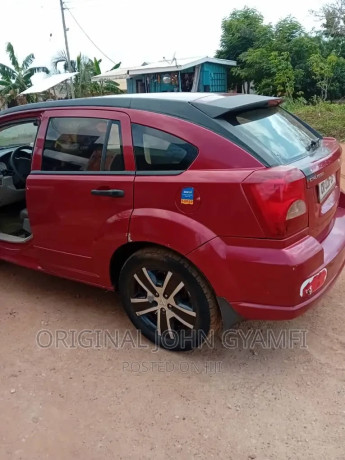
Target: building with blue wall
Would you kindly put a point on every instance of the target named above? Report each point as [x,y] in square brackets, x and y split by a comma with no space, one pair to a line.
[178,75]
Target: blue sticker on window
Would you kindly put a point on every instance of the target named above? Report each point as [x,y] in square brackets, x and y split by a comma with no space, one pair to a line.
[187,195]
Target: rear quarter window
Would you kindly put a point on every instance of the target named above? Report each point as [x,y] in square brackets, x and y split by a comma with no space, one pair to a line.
[273,134]
[156,150]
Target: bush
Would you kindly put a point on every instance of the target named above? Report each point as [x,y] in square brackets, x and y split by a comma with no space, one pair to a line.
[327,118]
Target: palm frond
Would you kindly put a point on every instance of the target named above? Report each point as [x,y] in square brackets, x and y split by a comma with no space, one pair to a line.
[28,61]
[116,66]
[7,72]
[12,56]
[61,56]
[96,66]
[8,90]
[112,87]
[5,87]
[34,70]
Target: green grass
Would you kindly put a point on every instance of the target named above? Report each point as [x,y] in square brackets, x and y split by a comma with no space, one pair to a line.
[327,118]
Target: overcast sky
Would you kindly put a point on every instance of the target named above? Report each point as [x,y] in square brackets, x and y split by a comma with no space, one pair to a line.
[131,31]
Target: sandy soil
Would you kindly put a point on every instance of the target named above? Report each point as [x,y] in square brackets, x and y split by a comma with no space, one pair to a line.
[131,402]
[124,400]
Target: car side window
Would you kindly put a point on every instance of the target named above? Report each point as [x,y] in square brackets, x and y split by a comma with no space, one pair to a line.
[157,150]
[82,144]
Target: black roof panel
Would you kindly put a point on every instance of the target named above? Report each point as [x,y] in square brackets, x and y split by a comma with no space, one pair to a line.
[175,104]
[203,109]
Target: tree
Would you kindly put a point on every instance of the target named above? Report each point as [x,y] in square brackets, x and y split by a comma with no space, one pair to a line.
[61,58]
[337,83]
[254,66]
[269,67]
[82,81]
[270,71]
[284,76]
[17,78]
[323,70]
[106,86]
[283,59]
[333,16]
[290,37]
[86,68]
[242,30]
[286,31]
[301,49]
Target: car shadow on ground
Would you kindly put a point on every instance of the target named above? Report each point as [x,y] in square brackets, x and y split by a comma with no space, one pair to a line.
[60,304]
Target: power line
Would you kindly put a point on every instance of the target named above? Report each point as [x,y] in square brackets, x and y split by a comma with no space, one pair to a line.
[83,3]
[88,37]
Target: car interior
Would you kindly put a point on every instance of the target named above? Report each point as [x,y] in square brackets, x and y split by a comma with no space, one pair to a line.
[16,147]
[15,166]
[71,145]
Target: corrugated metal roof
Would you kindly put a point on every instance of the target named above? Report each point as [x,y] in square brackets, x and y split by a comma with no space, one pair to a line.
[117,74]
[48,83]
[177,64]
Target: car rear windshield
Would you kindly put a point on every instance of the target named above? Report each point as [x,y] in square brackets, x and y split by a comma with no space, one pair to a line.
[272,134]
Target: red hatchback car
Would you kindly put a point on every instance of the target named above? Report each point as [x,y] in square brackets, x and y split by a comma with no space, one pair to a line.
[199,208]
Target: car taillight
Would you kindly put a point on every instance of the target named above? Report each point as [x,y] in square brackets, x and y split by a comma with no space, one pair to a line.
[278,198]
[313,284]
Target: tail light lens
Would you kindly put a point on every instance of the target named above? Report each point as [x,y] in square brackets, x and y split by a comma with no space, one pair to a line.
[314,283]
[278,198]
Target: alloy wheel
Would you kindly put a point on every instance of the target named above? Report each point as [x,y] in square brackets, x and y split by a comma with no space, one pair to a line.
[161,299]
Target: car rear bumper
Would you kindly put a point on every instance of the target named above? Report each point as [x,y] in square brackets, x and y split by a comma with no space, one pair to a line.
[265,282]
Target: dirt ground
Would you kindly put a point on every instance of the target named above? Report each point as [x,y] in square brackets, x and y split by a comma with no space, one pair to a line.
[84,397]
[125,402]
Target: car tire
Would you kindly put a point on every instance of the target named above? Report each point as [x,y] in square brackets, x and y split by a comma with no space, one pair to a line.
[168,299]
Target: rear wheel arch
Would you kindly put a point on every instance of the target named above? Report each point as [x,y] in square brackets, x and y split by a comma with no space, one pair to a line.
[170,229]
[122,254]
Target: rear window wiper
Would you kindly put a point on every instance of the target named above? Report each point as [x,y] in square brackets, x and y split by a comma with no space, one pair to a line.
[314,144]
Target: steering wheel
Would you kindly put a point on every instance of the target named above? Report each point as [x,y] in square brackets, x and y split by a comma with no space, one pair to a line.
[20,162]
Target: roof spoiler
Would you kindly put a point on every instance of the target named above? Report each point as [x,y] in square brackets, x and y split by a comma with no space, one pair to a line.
[219,106]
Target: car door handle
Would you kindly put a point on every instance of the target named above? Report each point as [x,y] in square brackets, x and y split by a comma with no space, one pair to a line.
[111,193]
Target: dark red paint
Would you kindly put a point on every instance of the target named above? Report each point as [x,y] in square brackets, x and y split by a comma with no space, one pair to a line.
[227,232]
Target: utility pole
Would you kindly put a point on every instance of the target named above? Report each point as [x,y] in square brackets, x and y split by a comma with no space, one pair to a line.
[66,44]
